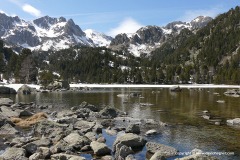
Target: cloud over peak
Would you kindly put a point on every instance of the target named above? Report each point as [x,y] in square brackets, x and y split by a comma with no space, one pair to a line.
[128,25]
[31,10]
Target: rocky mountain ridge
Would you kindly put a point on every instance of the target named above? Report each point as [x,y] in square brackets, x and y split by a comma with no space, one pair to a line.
[148,38]
[47,33]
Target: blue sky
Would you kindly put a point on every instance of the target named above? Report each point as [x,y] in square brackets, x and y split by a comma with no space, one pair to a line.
[111,16]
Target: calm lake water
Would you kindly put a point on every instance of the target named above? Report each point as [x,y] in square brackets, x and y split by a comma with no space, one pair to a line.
[187,130]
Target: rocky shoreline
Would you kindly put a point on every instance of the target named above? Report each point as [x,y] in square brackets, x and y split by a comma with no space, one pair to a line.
[36,132]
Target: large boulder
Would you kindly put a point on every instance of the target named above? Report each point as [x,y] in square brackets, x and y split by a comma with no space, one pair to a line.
[63,156]
[76,141]
[89,106]
[130,140]
[25,89]
[133,128]
[8,112]
[5,101]
[84,126]
[58,85]
[7,90]
[108,112]
[7,129]
[100,149]
[122,151]
[13,153]
[165,151]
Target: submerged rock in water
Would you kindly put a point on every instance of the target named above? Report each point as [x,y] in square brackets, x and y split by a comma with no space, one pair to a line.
[151,132]
[158,156]
[108,112]
[234,122]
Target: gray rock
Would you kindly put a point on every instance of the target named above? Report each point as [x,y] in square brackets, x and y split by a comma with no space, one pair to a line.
[91,136]
[7,90]
[7,129]
[133,128]
[25,113]
[163,150]
[158,156]
[130,140]
[25,89]
[35,156]
[60,146]
[100,149]
[111,132]
[84,126]
[5,101]
[62,156]
[122,151]
[76,141]
[30,148]
[86,148]
[130,157]
[89,106]
[8,112]
[98,128]
[43,142]
[101,140]
[151,132]
[108,112]
[107,158]
[234,122]
[49,128]
[13,153]
[45,152]
[107,122]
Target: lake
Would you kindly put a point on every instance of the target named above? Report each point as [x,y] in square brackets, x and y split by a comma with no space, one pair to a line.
[187,129]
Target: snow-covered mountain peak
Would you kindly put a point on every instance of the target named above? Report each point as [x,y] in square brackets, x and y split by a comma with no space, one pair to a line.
[99,39]
[45,33]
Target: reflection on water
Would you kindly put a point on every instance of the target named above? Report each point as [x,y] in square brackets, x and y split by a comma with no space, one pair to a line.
[188,130]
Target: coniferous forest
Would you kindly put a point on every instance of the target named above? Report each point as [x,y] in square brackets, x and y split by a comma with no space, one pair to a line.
[209,55]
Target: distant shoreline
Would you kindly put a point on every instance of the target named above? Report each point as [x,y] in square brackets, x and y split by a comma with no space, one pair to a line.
[154,86]
[17,86]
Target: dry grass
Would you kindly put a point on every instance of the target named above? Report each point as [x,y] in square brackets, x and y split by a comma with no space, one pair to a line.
[29,121]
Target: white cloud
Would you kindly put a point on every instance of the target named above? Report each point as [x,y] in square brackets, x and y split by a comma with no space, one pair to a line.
[128,25]
[31,10]
[191,14]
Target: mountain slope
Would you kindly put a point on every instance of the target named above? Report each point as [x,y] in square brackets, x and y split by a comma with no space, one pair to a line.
[212,54]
